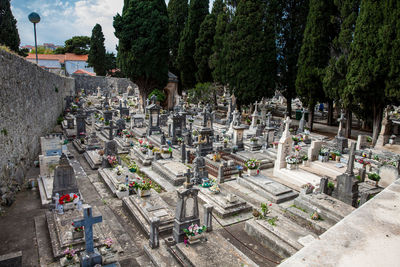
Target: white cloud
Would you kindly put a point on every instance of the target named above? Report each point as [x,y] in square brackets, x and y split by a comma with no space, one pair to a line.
[60,19]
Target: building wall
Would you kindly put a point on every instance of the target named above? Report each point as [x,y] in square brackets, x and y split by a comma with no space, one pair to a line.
[31,99]
[106,84]
[47,63]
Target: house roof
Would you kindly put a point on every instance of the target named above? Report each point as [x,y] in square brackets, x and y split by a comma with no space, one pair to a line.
[81,71]
[60,57]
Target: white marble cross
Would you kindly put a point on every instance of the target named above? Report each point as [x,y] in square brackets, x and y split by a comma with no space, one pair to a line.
[340,120]
[287,122]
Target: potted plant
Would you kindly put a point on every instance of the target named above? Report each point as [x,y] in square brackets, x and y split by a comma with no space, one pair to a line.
[304,160]
[253,140]
[144,188]
[133,167]
[108,244]
[252,167]
[112,160]
[292,162]
[78,232]
[330,188]
[338,156]
[374,177]
[264,209]
[67,201]
[215,189]
[217,157]
[69,257]
[194,233]
[323,155]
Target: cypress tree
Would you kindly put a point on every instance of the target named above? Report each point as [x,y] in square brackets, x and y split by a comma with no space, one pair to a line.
[177,16]
[97,52]
[366,69]
[314,54]
[219,49]
[291,25]
[334,81]
[205,42]
[252,52]
[142,30]
[8,27]
[198,10]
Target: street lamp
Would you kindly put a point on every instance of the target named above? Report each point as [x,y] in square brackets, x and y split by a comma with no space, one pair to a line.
[34,18]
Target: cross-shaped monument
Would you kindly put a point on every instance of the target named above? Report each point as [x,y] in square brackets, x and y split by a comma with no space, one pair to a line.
[287,122]
[340,120]
[91,256]
[110,130]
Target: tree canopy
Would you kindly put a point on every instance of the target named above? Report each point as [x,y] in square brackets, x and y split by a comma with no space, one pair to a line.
[78,45]
[8,27]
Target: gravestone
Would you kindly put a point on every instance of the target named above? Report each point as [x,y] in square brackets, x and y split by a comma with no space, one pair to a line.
[187,212]
[64,178]
[70,122]
[107,115]
[384,134]
[238,130]
[153,111]
[341,142]
[314,149]
[80,125]
[347,185]
[200,171]
[301,122]
[284,146]
[91,256]
[183,153]
[121,125]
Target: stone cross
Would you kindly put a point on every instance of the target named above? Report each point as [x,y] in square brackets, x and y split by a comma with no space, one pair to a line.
[87,222]
[208,216]
[188,184]
[269,115]
[287,122]
[340,120]
[302,121]
[350,163]
[153,99]
[147,102]
[110,130]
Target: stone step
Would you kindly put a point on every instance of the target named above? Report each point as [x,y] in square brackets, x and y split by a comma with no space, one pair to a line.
[304,219]
[93,165]
[330,209]
[321,169]
[297,178]
[283,238]
[267,190]
[161,256]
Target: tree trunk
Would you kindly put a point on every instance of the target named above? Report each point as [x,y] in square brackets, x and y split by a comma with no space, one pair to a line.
[311,115]
[289,106]
[376,124]
[330,113]
[349,122]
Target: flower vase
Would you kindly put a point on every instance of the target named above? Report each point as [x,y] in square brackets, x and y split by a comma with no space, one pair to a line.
[143,193]
[252,172]
[376,183]
[291,166]
[68,206]
[337,158]
[193,239]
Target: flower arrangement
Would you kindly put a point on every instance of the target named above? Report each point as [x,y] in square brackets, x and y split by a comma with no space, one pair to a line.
[78,229]
[264,208]
[226,140]
[323,151]
[304,158]
[155,149]
[107,123]
[364,155]
[122,187]
[112,160]
[69,253]
[292,159]
[308,186]
[143,185]
[150,146]
[133,166]
[253,139]
[179,139]
[252,164]
[216,157]
[67,198]
[108,243]
[215,188]
[134,185]
[101,119]
[127,118]
[297,148]
[194,230]
[363,161]
[331,185]
[315,216]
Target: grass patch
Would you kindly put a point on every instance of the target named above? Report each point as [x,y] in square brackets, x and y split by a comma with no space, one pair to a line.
[272,221]
[294,206]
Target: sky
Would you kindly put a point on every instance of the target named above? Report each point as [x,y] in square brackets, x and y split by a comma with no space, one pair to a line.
[62,19]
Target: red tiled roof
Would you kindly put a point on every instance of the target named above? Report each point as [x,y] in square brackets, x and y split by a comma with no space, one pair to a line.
[81,71]
[61,57]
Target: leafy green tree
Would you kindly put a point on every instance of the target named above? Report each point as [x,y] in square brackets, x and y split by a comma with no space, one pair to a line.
[218,62]
[78,45]
[252,52]
[42,50]
[177,16]
[198,10]
[334,81]
[202,93]
[8,27]
[59,50]
[315,53]
[110,63]
[291,25]
[205,42]
[142,30]
[367,65]
[97,51]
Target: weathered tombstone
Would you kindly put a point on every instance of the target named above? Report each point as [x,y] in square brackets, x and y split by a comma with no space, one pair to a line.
[302,122]
[384,135]
[220,177]
[187,212]
[154,241]
[64,178]
[183,153]
[323,186]
[70,122]
[154,117]
[121,125]
[163,141]
[107,115]
[200,171]
[347,185]
[314,149]
[208,216]
[284,146]
[91,256]
[80,125]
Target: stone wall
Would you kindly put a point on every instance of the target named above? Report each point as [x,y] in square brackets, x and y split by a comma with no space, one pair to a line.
[31,99]
[106,84]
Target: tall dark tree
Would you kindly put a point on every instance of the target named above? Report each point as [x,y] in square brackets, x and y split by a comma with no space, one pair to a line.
[367,67]
[177,16]
[110,63]
[389,52]
[219,49]
[78,45]
[205,42]
[142,30]
[198,10]
[97,52]
[315,53]
[8,27]
[291,25]
[252,52]
[335,76]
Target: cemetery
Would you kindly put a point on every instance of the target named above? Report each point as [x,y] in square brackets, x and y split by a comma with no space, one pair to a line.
[134,165]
